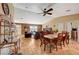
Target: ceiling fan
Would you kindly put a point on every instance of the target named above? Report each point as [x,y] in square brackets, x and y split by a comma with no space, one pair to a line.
[45,11]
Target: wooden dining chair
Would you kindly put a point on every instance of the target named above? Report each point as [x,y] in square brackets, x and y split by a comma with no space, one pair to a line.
[55,41]
[60,39]
[67,38]
[44,41]
[41,39]
[64,37]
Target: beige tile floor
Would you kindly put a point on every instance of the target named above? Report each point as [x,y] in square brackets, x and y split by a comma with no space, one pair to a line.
[30,46]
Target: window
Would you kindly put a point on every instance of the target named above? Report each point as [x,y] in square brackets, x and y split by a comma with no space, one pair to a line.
[33,28]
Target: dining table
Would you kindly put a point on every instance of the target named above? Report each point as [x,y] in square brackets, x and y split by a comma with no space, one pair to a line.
[51,37]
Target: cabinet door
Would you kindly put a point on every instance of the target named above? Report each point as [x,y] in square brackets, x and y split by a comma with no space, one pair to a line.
[5,51]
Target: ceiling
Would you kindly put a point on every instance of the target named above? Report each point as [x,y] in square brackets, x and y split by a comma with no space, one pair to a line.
[27,12]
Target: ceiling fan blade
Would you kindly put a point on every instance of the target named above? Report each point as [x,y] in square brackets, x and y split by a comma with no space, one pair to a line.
[49,13]
[44,14]
[50,9]
[39,13]
[35,12]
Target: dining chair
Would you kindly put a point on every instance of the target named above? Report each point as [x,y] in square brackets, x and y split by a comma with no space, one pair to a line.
[41,38]
[44,41]
[55,41]
[60,39]
[64,37]
[67,38]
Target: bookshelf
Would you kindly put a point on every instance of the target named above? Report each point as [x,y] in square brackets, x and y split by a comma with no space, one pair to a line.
[7,33]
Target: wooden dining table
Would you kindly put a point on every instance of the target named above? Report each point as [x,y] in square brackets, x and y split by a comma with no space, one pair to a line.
[51,37]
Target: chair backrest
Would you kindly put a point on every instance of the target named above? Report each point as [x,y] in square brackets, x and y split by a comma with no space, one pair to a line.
[43,39]
[60,36]
[64,35]
[41,36]
[67,35]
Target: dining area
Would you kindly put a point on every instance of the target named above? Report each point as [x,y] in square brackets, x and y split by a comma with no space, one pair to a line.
[54,40]
[50,42]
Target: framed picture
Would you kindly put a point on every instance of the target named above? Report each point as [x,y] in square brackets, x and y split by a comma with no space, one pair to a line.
[5,8]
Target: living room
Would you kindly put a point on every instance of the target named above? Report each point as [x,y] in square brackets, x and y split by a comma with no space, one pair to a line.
[23,23]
